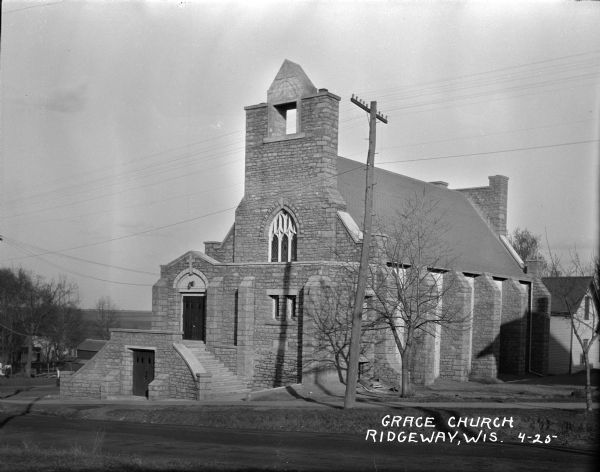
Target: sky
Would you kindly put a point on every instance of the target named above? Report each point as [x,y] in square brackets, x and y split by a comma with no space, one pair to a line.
[122,123]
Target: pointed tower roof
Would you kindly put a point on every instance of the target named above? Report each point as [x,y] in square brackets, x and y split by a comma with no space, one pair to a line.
[290,84]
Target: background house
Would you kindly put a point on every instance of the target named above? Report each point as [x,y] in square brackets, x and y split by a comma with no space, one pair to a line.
[572,297]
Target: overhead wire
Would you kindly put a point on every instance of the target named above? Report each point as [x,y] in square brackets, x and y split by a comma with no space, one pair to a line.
[303,185]
[74,272]
[158,228]
[484,73]
[146,204]
[169,167]
[112,194]
[452,101]
[143,158]
[411,91]
[24,246]
[500,151]
[114,182]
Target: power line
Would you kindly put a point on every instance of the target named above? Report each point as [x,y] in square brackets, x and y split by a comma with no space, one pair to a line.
[163,180]
[493,152]
[291,189]
[79,273]
[22,245]
[162,163]
[484,93]
[523,76]
[485,135]
[169,167]
[468,76]
[40,5]
[176,177]
[488,72]
[177,223]
[303,185]
[124,178]
[135,205]
[454,101]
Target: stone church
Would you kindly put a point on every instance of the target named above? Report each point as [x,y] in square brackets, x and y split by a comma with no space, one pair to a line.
[238,316]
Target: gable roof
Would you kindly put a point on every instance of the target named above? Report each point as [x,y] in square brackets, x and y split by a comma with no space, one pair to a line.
[475,247]
[567,292]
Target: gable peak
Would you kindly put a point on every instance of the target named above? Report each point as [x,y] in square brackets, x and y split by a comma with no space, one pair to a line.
[290,84]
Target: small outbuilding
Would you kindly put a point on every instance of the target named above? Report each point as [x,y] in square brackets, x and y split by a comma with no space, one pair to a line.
[574,311]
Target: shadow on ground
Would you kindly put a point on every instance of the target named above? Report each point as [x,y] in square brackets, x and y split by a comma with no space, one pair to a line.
[577,379]
[507,388]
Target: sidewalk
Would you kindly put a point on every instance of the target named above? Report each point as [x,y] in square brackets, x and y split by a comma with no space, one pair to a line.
[442,395]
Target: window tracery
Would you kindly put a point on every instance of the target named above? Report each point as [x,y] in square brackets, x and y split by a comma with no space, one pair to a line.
[282,238]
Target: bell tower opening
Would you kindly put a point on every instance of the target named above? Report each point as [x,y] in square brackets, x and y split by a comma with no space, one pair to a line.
[285,121]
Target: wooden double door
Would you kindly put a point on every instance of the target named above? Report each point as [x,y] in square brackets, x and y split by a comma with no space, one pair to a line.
[143,371]
[194,317]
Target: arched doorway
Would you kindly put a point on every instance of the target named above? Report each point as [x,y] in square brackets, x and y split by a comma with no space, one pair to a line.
[191,285]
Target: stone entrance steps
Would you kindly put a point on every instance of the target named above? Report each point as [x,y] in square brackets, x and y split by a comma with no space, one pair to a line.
[224,382]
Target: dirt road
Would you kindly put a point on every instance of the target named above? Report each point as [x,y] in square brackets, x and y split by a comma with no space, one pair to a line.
[281,450]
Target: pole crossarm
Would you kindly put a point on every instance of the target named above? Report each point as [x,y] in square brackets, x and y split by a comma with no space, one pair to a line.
[362,104]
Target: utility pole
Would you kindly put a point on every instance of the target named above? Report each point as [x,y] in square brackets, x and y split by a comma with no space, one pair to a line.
[352,374]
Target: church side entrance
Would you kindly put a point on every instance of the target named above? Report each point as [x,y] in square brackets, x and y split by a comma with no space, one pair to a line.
[194,317]
[143,371]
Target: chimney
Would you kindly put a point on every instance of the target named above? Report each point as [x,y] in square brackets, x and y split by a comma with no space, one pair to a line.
[499,198]
[491,201]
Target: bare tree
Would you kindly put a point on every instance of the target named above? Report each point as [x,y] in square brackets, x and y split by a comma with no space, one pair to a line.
[408,282]
[332,322]
[527,245]
[11,339]
[106,317]
[37,306]
[529,248]
[584,319]
[34,309]
[64,330]
[553,267]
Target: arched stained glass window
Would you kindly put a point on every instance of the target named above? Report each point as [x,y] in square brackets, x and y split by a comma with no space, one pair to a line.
[282,238]
[274,248]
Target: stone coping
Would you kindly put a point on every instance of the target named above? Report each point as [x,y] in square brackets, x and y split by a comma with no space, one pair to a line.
[525,278]
[195,366]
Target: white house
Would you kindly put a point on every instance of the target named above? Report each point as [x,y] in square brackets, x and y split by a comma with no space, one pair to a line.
[572,297]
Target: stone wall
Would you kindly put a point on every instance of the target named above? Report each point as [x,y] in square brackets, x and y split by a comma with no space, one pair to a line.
[455,359]
[486,328]
[221,251]
[110,371]
[346,249]
[540,327]
[513,331]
